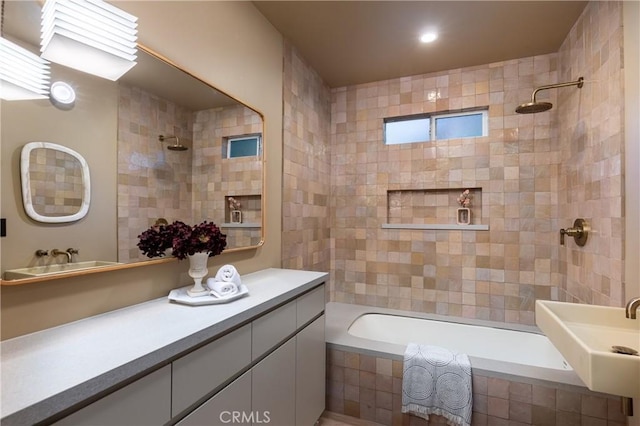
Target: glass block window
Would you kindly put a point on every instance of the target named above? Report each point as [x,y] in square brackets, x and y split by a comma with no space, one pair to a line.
[437,126]
[243,146]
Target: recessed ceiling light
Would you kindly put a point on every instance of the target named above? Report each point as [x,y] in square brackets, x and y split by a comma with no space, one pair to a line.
[428,37]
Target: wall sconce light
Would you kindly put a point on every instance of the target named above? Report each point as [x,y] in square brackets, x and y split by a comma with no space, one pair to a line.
[62,95]
[91,36]
[23,75]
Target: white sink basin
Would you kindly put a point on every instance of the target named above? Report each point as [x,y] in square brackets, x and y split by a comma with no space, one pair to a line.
[58,268]
[584,335]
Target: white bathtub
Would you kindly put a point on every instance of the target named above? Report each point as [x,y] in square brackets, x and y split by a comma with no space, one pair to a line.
[493,350]
[476,341]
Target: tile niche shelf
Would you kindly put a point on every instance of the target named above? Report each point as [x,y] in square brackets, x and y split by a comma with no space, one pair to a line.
[431,209]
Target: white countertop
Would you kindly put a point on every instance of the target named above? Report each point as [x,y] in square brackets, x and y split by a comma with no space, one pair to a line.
[46,372]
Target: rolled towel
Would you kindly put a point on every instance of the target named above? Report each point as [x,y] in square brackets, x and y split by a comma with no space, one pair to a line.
[221,289]
[226,282]
[228,274]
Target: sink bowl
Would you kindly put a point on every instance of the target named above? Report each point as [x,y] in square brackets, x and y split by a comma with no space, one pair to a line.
[58,268]
[585,334]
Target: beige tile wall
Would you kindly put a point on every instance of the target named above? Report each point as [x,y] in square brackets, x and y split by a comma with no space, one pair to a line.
[590,123]
[370,388]
[153,181]
[493,275]
[190,186]
[216,177]
[55,179]
[306,161]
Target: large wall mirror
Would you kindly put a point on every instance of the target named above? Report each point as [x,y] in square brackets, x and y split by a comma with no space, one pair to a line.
[160,144]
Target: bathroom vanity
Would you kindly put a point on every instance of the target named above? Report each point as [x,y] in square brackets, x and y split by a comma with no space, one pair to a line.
[259,359]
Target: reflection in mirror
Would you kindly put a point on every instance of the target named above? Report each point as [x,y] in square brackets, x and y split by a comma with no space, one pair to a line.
[136,179]
[56,186]
[156,180]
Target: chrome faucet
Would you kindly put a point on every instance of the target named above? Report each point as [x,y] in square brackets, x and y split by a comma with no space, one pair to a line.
[632,307]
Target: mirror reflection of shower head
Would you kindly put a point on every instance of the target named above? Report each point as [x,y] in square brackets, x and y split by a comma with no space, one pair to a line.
[534,106]
[176,147]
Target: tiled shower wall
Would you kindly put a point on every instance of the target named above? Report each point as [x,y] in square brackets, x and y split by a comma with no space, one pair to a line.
[537,172]
[153,181]
[495,274]
[590,122]
[216,177]
[56,186]
[190,186]
[306,161]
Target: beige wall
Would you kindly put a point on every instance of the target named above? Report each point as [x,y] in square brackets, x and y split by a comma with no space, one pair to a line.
[92,135]
[307,167]
[493,275]
[591,136]
[233,47]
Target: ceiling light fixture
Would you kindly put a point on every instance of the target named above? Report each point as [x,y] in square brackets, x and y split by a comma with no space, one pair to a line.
[428,37]
[23,75]
[91,36]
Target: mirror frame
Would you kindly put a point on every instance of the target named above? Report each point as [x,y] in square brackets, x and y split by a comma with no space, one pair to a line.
[152,262]
[27,197]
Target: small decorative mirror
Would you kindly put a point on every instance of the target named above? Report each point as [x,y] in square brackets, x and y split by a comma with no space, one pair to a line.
[56,186]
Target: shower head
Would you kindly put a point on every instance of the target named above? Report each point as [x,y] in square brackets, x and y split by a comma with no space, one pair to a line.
[534,106]
[176,147]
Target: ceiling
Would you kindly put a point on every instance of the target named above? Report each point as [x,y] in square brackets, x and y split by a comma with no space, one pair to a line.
[351,42]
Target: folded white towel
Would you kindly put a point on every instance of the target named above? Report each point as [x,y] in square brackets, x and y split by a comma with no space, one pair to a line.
[228,274]
[437,381]
[225,283]
[221,289]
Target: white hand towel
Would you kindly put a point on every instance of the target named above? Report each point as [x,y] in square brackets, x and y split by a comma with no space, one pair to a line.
[437,381]
[226,282]
[228,274]
[221,289]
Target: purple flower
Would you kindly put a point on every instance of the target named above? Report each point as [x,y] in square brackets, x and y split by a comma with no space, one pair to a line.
[183,239]
[465,198]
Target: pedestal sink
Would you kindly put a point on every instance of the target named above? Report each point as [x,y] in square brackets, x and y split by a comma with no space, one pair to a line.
[585,335]
[58,268]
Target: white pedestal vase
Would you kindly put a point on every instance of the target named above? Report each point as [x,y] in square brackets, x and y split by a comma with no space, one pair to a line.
[198,270]
[236,216]
[463,216]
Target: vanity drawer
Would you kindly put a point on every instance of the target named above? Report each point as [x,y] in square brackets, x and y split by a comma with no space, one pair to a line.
[143,402]
[221,408]
[309,305]
[198,373]
[272,328]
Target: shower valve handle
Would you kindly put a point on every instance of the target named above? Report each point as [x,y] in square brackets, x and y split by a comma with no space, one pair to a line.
[579,232]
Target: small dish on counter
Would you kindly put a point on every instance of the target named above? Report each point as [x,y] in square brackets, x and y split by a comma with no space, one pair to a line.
[179,295]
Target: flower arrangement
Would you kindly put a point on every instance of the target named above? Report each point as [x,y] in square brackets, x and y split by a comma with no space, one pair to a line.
[465,199]
[234,204]
[183,239]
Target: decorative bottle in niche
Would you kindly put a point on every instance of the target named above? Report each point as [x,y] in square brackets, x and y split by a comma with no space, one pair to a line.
[463,214]
[235,214]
